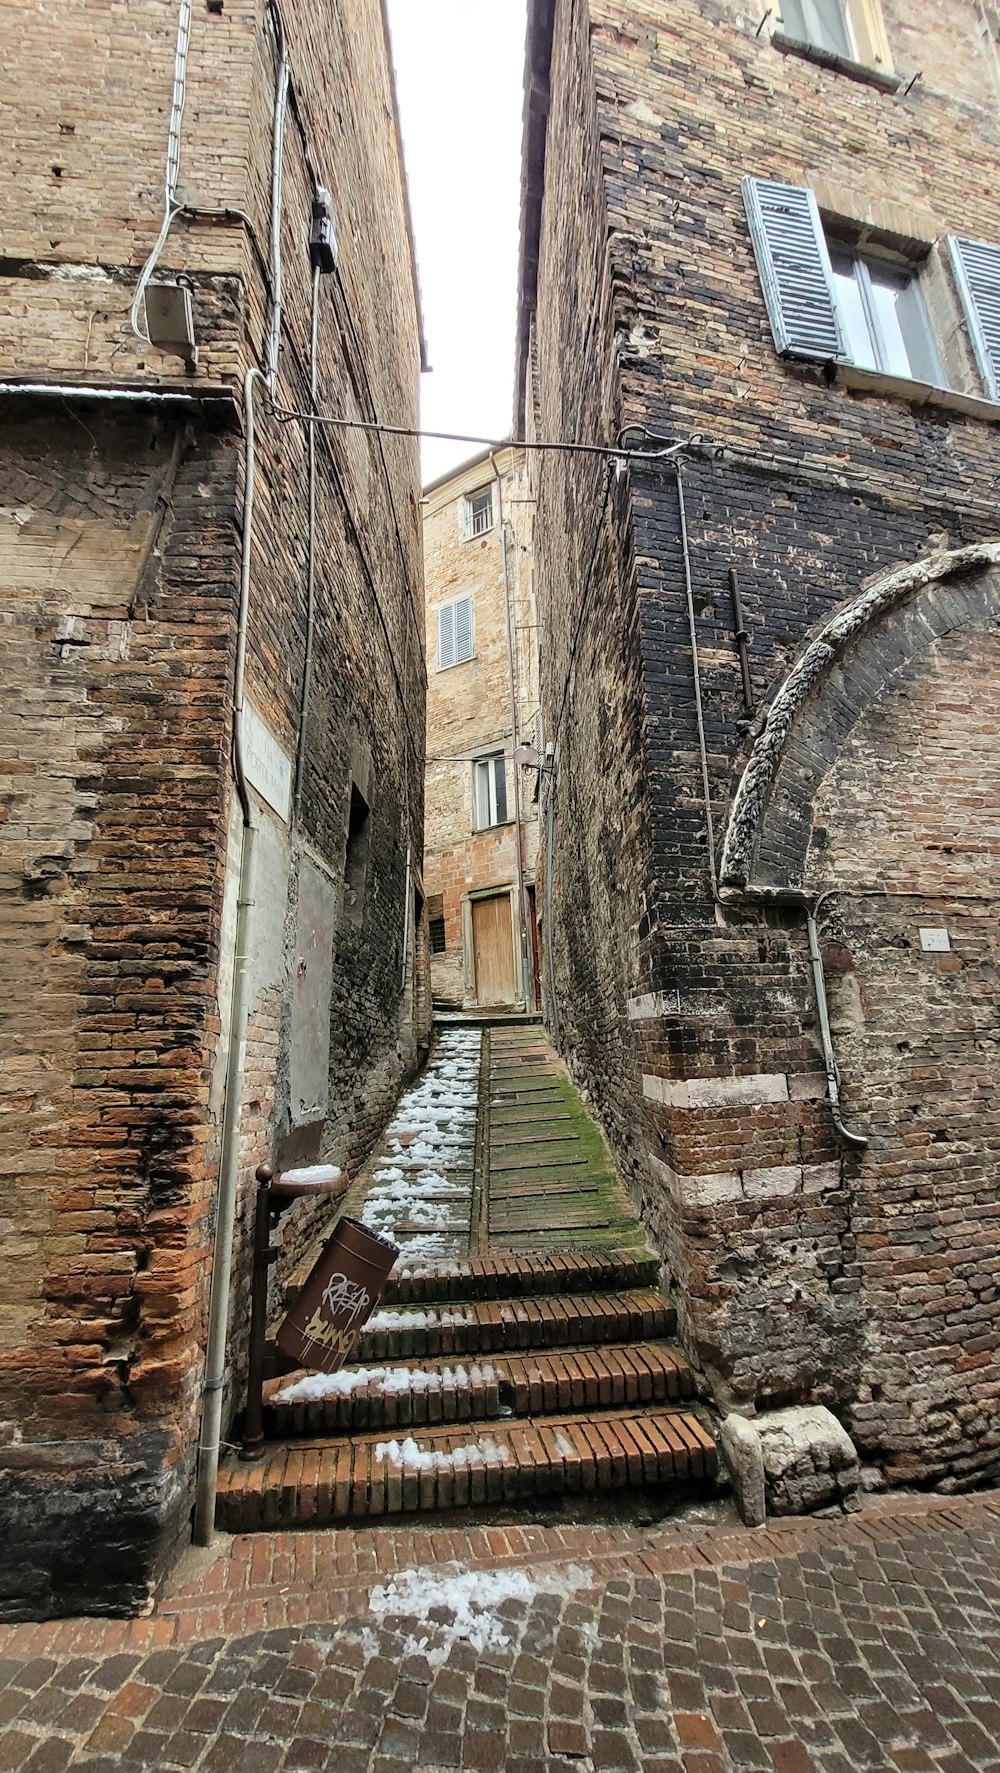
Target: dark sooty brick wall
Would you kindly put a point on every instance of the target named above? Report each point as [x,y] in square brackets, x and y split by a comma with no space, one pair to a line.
[804,1270]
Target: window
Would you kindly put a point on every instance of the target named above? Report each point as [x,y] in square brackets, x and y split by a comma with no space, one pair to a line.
[829,303]
[489,785]
[883,320]
[825,23]
[435,922]
[356,857]
[852,30]
[454,632]
[479,513]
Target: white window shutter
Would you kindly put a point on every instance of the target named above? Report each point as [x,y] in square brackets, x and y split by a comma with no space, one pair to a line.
[977,273]
[794,267]
[463,628]
[446,635]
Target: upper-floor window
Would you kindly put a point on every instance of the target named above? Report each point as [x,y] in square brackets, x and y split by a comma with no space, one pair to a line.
[850,29]
[883,318]
[826,23]
[489,790]
[454,632]
[479,512]
[831,303]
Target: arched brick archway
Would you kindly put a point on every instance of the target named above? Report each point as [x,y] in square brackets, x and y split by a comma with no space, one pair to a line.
[873,642]
[874,789]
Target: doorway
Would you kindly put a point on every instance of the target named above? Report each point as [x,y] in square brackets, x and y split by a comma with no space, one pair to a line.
[493,949]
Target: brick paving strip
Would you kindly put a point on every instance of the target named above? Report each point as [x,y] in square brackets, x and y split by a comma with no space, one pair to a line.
[871,1642]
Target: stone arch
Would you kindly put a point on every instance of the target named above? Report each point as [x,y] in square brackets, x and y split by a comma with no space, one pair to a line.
[863,649]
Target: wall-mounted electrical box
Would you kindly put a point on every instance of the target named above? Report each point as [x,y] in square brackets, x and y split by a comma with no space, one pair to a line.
[323,232]
[170,319]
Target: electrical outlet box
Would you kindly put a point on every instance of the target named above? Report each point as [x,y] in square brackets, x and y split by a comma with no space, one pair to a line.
[170,318]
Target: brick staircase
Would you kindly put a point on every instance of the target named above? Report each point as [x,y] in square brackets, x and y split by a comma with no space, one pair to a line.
[505,1379]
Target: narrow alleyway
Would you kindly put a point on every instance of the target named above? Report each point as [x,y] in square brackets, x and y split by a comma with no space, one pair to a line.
[811,1647]
[522,1352]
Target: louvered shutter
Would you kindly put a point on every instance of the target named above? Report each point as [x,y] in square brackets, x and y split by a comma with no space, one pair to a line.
[463,629]
[977,273]
[794,268]
[446,635]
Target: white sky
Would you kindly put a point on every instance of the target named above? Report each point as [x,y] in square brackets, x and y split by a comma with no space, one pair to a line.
[459,66]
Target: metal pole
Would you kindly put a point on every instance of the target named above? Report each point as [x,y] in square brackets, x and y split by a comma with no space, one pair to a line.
[549,773]
[527,980]
[263,1256]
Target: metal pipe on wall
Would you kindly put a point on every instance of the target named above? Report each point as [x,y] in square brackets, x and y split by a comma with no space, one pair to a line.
[549,777]
[696,678]
[527,973]
[857,1141]
[300,750]
[239,1015]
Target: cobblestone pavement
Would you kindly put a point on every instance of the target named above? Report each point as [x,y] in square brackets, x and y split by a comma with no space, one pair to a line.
[872,1642]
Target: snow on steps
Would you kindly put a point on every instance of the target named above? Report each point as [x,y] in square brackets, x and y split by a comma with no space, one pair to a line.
[445,1468]
[513,1276]
[441,1391]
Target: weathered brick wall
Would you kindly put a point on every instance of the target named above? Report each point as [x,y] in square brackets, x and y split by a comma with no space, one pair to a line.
[789,1256]
[119,885]
[469,708]
[591,697]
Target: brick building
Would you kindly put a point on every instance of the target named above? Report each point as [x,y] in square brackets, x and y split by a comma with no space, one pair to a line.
[213,719]
[481,838]
[772,236]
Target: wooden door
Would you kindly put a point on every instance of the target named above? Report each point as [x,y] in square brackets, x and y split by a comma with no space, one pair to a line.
[493,949]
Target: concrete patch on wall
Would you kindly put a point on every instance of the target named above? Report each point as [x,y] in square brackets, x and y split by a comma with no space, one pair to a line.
[268,767]
[768,1183]
[312,989]
[716,1092]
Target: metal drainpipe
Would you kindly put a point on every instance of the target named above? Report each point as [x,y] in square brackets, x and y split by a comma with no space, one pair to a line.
[549,774]
[527,981]
[300,753]
[239,1011]
[857,1141]
[222,1262]
[696,676]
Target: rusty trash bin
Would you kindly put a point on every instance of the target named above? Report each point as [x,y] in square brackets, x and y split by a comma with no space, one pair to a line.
[339,1296]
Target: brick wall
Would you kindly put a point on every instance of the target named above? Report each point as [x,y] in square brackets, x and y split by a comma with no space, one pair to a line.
[119,567]
[469,707]
[791,1256]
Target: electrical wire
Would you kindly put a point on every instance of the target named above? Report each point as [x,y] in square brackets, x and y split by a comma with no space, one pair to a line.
[171,207]
[611,451]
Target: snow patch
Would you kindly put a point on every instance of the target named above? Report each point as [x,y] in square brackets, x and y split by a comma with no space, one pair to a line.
[412,1457]
[470,1599]
[316,1173]
[387,1380]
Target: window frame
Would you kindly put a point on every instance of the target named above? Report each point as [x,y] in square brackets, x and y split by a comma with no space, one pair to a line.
[862,264]
[866,30]
[452,603]
[489,762]
[807,6]
[468,504]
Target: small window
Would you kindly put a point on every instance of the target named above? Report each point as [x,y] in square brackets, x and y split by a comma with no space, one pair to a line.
[853,30]
[824,23]
[883,319]
[435,922]
[479,513]
[454,632]
[489,778]
[356,858]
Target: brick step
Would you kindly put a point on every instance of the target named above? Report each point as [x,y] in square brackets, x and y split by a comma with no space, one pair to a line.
[506,1325]
[439,1392]
[366,1477]
[501,1277]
